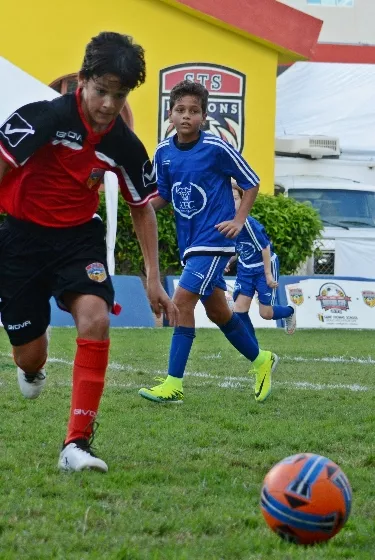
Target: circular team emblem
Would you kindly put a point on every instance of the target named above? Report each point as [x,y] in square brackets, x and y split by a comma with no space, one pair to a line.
[96,272]
[188,200]
[246,251]
[332,297]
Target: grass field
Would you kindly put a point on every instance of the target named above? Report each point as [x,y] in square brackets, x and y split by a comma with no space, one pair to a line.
[184,481]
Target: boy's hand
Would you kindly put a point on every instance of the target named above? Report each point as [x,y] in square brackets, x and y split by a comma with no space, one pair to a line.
[271,282]
[230,228]
[160,302]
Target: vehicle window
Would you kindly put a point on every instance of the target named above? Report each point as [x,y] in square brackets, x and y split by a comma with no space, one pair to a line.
[351,208]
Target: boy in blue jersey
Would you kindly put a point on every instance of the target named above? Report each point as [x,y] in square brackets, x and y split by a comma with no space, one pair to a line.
[194,171]
[257,271]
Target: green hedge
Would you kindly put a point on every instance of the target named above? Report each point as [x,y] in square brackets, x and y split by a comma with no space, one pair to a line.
[292,226]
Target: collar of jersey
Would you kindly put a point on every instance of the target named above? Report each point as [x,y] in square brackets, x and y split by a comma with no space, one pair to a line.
[174,147]
[92,136]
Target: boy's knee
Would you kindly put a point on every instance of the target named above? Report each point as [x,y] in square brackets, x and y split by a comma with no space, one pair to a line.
[94,326]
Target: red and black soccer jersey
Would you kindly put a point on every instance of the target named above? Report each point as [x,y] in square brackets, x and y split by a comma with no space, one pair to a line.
[58,163]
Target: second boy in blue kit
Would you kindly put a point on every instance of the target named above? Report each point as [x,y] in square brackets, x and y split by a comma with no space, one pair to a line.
[257,271]
[194,171]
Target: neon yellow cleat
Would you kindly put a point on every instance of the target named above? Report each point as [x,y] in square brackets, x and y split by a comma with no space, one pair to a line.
[166,392]
[263,373]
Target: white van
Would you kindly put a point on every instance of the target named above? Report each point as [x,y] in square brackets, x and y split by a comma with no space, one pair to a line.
[340,186]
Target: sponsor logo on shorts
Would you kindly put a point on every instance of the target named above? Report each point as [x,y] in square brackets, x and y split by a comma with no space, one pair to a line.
[96,272]
[19,326]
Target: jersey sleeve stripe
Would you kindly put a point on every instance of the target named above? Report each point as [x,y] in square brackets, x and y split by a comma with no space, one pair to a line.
[7,157]
[161,145]
[144,201]
[253,236]
[106,159]
[131,188]
[244,167]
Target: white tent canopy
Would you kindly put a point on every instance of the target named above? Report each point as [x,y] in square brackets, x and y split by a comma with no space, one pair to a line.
[19,88]
[332,99]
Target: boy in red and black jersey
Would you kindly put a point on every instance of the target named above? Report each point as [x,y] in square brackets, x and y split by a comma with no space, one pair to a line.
[53,156]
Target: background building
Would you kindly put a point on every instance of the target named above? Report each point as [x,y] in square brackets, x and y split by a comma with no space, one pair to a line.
[233,48]
[348,29]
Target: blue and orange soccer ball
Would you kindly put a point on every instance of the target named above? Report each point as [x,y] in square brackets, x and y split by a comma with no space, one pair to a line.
[306,499]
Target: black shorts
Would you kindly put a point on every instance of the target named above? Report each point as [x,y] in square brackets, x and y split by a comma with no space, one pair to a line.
[38,262]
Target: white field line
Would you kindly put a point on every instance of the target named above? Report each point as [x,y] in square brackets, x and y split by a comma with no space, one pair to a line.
[329,359]
[231,382]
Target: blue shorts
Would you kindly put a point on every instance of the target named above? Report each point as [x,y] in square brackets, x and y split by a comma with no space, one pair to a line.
[201,275]
[247,284]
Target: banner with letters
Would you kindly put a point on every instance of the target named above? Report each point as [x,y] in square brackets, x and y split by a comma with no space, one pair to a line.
[333,303]
[225,111]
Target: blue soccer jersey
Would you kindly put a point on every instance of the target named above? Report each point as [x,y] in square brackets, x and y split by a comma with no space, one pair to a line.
[249,245]
[198,184]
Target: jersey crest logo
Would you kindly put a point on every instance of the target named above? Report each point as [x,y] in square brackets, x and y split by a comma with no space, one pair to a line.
[246,251]
[225,111]
[96,272]
[96,176]
[188,200]
[16,129]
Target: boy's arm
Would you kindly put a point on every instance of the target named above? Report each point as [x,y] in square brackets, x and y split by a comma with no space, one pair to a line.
[247,203]
[145,225]
[158,203]
[233,227]
[231,261]
[266,255]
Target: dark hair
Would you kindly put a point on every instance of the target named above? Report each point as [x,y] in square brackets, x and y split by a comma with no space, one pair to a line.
[113,53]
[187,87]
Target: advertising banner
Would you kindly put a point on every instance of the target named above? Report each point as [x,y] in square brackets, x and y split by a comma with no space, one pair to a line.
[335,304]
[225,111]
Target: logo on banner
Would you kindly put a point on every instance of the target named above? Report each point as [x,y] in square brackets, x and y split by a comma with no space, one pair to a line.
[296,295]
[225,111]
[332,297]
[369,298]
[96,176]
